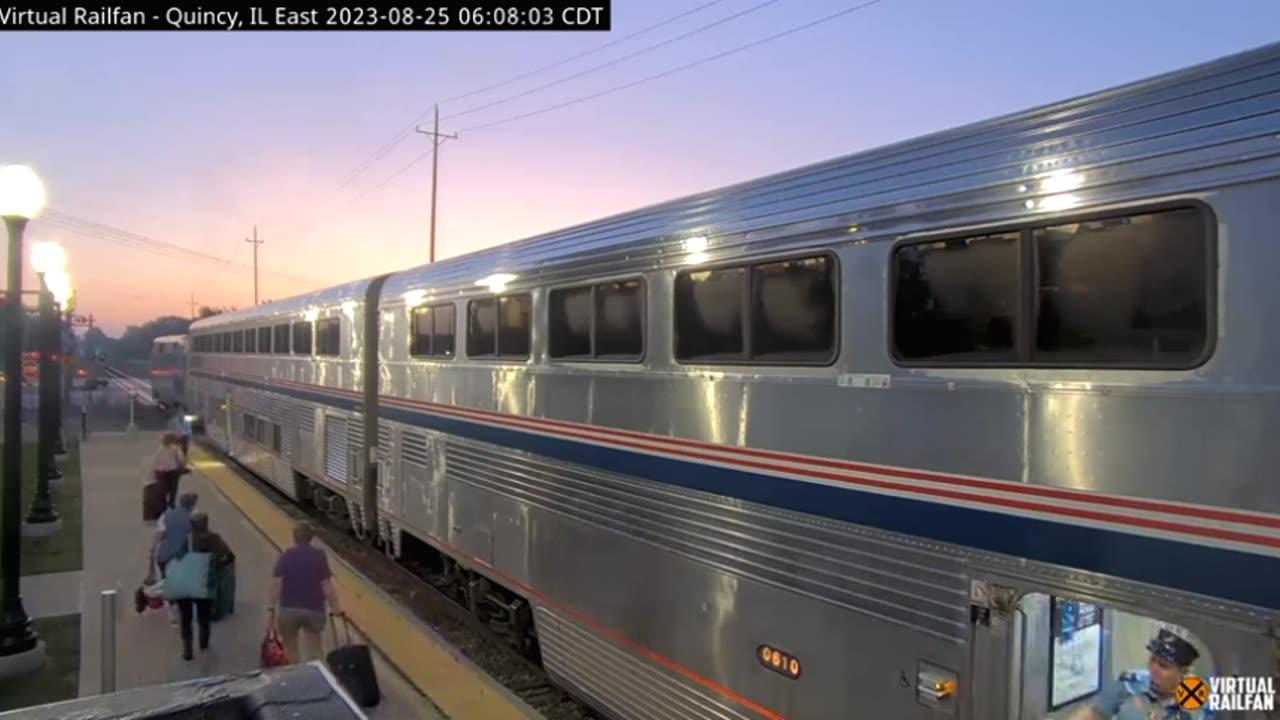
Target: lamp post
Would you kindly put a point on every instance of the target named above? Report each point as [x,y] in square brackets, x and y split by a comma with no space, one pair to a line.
[60,285]
[21,198]
[48,260]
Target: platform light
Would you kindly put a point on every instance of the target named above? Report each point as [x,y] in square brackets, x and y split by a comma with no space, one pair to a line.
[21,192]
[496,282]
[48,257]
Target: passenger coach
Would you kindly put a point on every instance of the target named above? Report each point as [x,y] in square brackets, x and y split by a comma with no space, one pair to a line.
[947,428]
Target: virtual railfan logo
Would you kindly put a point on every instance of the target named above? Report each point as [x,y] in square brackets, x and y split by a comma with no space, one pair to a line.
[1227,693]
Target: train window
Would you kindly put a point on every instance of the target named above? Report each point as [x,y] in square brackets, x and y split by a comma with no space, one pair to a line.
[709,314]
[1127,291]
[250,341]
[619,319]
[249,426]
[237,342]
[1130,290]
[281,339]
[569,322]
[302,338]
[957,300]
[433,331]
[499,327]
[780,311]
[275,438]
[328,336]
[264,340]
[793,316]
[603,321]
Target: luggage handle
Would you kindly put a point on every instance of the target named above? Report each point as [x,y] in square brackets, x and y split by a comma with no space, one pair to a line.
[346,623]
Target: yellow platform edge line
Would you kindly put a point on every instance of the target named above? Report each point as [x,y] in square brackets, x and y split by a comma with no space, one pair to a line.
[459,688]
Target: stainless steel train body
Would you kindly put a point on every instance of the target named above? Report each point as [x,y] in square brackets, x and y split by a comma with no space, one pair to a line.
[169,369]
[837,442]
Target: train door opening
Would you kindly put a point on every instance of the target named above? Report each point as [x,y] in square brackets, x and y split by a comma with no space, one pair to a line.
[1069,655]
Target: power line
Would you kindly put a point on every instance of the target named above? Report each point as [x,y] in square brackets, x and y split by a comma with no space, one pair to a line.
[615,61]
[407,131]
[675,70]
[101,231]
[626,86]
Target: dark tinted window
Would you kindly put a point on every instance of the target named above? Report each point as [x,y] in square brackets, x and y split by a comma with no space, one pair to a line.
[328,337]
[302,338]
[432,331]
[250,341]
[1128,290]
[569,322]
[281,344]
[780,311]
[499,327]
[237,342]
[275,438]
[264,340]
[709,314]
[603,321]
[957,299]
[793,315]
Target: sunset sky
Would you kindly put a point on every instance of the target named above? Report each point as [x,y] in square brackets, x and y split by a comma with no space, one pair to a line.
[192,138]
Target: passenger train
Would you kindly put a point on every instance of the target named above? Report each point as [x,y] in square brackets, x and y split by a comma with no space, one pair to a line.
[943,429]
[168,370]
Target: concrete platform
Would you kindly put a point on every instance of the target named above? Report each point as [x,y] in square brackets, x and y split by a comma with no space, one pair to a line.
[148,647]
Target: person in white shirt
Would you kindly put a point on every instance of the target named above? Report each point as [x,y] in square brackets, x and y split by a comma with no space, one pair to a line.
[167,466]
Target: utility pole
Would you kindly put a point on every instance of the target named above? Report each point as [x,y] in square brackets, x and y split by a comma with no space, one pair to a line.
[436,138]
[192,302]
[255,242]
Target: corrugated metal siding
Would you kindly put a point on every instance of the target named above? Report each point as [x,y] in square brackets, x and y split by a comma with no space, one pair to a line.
[335,448]
[413,448]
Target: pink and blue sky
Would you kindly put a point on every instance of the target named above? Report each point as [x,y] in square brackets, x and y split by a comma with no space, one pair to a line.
[193,138]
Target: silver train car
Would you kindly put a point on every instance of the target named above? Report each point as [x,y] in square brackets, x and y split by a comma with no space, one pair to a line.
[944,429]
[168,371]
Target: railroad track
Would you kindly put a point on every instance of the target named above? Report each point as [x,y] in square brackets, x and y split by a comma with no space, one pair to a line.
[421,591]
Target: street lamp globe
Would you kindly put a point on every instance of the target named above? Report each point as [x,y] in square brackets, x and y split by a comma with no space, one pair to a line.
[21,192]
[59,284]
[48,258]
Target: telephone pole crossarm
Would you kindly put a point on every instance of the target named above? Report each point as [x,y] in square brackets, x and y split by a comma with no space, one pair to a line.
[255,242]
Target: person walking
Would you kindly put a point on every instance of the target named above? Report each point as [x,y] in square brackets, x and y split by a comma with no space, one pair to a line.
[202,541]
[301,585]
[167,465]
[170,540]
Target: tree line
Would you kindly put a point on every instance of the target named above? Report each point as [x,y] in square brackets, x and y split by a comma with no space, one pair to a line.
[133,344]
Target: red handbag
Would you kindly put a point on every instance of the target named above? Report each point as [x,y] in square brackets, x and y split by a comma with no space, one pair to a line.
[273,654]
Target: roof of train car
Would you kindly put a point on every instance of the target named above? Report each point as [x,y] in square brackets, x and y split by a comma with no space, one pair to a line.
[289,307]
[170,339]
[1002,157]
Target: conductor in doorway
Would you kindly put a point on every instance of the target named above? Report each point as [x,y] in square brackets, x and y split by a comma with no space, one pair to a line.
[1149,694]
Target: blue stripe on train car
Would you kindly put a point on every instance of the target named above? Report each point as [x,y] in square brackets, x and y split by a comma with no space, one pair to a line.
[1207,570]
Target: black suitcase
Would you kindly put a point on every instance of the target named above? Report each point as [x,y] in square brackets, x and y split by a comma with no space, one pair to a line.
[224,591]
[352,664]
[153,505]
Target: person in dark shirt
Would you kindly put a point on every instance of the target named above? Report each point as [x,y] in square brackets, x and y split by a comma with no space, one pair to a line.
[205,541]
[301,585]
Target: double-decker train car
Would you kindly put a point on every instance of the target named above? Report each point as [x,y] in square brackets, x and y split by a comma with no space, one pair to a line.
[944,429]
[169,370]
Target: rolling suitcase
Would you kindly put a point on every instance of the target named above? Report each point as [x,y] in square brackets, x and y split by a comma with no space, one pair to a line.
[352,664]
[224,591]
[153,504]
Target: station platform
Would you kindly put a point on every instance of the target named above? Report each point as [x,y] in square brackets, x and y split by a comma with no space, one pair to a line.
[148,647]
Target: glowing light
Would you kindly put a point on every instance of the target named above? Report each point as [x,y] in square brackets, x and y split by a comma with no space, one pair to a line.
[349,308]
[21,192]
[695,247]
[311,315]
[59,284]
[1065,201]
[1061,181]
[48,257]
[414,298]
[496,282]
